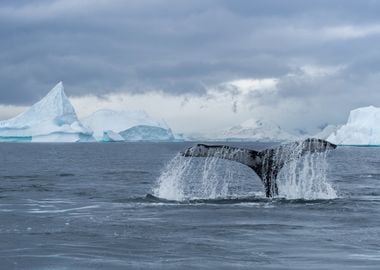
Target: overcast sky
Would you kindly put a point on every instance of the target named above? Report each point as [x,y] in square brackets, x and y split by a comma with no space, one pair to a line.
[202,65]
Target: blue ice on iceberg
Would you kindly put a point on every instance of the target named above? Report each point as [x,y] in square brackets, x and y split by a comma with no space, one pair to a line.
[147,133]
[134,125]
[52,119]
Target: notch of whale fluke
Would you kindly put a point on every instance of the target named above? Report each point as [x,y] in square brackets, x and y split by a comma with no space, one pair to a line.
[266,163]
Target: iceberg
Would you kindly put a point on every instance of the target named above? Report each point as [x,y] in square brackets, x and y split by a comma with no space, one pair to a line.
[180,137]
[103,121]
[362,128]
[147,133]
[110,136]
[52,119]
[256,130]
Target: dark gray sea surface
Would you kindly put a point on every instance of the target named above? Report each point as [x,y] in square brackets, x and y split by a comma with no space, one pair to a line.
[85,206]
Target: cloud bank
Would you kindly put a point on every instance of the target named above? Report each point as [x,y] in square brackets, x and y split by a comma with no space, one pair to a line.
[299,63]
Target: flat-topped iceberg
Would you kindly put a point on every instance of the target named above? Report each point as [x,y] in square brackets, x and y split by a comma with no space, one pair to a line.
[132,126]
[147,133]
[256,130]
[362,128]
[52,119]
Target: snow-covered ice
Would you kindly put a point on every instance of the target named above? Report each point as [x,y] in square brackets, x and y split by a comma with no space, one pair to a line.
[52,119]
[362,128]
[117,121]
[256,130]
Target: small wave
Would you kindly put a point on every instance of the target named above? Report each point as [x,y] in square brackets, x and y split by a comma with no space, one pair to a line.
[151,199]
[50,201]
[367,257]
[14,177]
[39,211]
[65,174]
[226,200]
[131,171]
[249,200]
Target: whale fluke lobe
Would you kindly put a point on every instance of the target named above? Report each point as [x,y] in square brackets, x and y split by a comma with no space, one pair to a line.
[266,163]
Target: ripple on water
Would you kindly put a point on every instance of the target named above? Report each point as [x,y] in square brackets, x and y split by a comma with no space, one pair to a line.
[40,211]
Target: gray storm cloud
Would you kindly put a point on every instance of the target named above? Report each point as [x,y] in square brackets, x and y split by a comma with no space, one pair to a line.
[184,47]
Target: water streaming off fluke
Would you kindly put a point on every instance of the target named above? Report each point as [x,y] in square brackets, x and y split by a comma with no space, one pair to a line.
[306,178]
[302,174]
[187,178]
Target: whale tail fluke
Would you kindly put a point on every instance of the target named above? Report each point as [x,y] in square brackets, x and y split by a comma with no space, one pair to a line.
[266,163]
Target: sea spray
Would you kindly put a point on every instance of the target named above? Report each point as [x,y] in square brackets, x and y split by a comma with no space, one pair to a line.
[299,172]
[306,178]
[303,176]
[187,178]
[170,183]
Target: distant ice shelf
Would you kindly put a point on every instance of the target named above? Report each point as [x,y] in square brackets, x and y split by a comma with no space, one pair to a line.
[254,130]
[109,125]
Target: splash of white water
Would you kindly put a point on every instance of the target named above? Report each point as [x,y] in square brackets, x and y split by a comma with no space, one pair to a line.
[306,178]
[186,178]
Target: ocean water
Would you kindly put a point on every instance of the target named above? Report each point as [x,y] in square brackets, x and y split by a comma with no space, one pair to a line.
[96,206]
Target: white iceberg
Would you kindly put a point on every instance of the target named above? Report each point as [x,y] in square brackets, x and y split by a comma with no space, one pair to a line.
[256,130]
[362,128]
[119,121]
[148,133]
[181,137]
[110,136]
[52,119]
